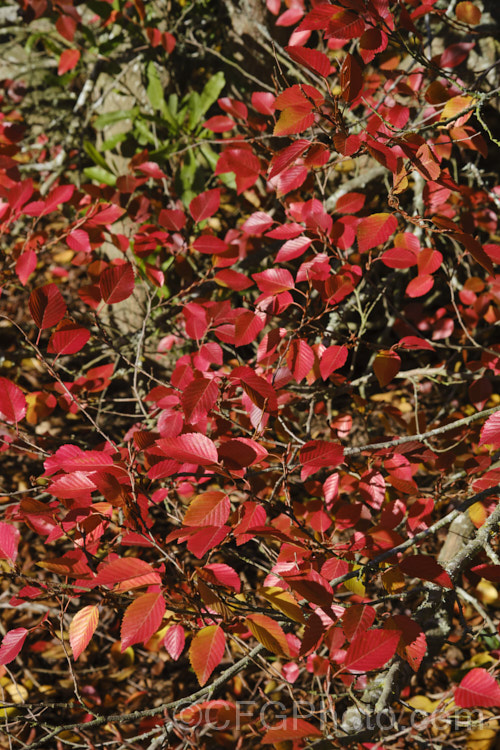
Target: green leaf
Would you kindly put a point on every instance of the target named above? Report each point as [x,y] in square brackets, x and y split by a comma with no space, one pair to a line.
[117,116]
[94,154]
[98,174]
[200,103]
[155,88]
[110,143]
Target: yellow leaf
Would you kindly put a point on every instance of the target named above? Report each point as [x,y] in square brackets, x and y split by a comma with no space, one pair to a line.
[355,584]
[283,601]
[455,106]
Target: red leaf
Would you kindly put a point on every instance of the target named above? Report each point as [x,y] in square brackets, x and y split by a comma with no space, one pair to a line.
[25,265]
[414,342]
[247,327]
[9,540]
[371,650]
[233,280]
[117,283]
[68,60]
[345,25]
[174,641]
[128,573]
[206,651]
[210,245]
[490,432]
[300,359]
[142,619]
[208,509]
[12,402]
[292,249]
[290,728]
[68,338]
[191,447]
[317,454]
[206,539]
[351,79]
[205,205]
[427,569]
[274,281]
[375,230]
[312,59]
[269,633]
[420,285]
[198,398]
[478,688]
[350,203]
[222,574]
[413,643]
[12,644]
[219,124]
[332,359]
[47,306]
[357,619]
[286,157]
[386,366]
[82,628]
[239,453]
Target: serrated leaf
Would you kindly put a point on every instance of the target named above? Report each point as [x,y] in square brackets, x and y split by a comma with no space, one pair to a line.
[290,728]
[198,398]
[478,688]
[208,509]
[117,283]
[142,619]
[9,541]
[371,650]
[12,402]
[490,432]
[317,454]
[12,644]
[427,569]
[284,602]
[351,79]
[127,573]
[82,629]
[269,633]
[174,641]
[68,338]
[190,447]
[47,306]
[206,651]
[374,230]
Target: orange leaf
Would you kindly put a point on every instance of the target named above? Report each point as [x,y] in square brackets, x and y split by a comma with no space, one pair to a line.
[142,618]
[82,628]
[206,651]
[269,633]
[386,366]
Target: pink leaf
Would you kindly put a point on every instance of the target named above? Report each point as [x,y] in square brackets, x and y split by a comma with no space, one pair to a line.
[274,281]
[191,447]
[142,619]
[174,641]
[12,644]
[9,540]
[490,432]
